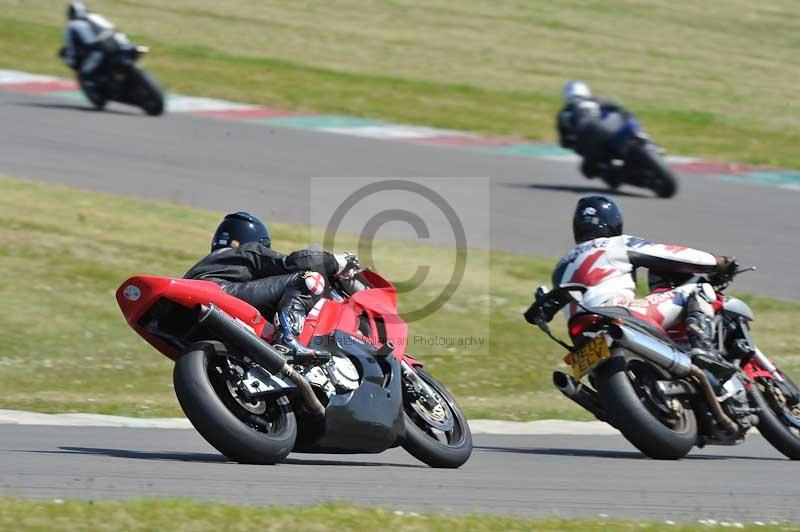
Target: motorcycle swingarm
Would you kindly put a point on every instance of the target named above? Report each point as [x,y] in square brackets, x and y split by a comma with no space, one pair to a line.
[258,383]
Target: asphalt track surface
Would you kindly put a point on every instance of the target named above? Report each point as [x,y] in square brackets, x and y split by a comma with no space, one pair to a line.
[511,475]
[229,165]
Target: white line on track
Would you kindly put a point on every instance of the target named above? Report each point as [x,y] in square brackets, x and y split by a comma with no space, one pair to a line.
[478,426]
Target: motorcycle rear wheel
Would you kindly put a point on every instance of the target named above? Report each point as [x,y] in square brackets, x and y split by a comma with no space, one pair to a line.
[261,432]
[93,95]
[622,386]
[775,431]
[437,448]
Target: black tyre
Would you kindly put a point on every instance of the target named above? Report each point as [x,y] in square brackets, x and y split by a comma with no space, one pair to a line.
[611,183]
[657,175]
[436,434]
[626,392]
[773,419]
[148,93]
[260,432]
[93,94]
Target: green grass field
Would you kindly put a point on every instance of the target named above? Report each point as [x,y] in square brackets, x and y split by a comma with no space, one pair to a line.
[180,515]
[715,79]
[66,346]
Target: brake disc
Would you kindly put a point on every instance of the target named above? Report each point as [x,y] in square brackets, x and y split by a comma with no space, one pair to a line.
[437,416]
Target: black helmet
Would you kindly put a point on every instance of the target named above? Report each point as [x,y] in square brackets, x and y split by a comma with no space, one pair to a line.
[595,217]
[76,10]
[240,228]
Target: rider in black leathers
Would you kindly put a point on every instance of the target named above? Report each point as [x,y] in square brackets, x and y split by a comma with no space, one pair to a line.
[580,124]
[286,286]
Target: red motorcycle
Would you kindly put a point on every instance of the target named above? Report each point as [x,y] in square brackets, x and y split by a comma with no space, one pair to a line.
[255,403]
[642,381]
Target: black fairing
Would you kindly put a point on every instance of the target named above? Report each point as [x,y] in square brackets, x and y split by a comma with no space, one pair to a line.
[367,420]
[114,79]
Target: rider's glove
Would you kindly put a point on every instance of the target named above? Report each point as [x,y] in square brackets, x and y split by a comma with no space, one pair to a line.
[724,270]
[347,265]
[726,265]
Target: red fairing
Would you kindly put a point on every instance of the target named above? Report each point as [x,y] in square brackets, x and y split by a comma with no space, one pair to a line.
[753,370]
[377,304]
[136,295]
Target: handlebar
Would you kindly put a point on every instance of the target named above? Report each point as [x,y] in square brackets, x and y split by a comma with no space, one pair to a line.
[723,281]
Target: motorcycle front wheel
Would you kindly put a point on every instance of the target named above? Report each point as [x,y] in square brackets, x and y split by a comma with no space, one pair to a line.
[436,428]
[148,93]
[261,431]
[778,422]
[656,175]
[627,392]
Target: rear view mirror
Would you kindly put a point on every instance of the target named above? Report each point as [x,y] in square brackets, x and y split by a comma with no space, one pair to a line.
[540,292]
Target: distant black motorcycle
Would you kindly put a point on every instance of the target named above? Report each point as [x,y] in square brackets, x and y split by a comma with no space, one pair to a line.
[120,79]
[629,157]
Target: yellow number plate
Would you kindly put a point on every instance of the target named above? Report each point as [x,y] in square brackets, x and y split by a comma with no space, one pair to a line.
[587,357]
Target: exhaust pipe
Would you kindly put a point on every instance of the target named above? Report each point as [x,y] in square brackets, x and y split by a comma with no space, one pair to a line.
[674,361]
[579,393]
[713,402]
[267,357]
[665,355]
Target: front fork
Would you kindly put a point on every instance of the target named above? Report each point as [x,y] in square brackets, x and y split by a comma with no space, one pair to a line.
[417,385]
[762,363]
[753,353]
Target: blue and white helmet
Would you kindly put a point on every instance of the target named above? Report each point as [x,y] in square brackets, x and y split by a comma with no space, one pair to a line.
[574,90]
[77,10]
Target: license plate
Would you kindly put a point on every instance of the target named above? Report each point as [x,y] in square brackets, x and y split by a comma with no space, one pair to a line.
[589,355]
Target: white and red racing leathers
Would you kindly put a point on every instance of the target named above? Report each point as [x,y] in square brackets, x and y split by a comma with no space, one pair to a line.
[607,266]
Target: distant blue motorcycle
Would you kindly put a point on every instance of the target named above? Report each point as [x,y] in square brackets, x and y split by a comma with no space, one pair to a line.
[622,153]
[119,78]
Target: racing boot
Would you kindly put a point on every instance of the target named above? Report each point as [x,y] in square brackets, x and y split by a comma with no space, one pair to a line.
[298,299]
[288,326]
[700,329]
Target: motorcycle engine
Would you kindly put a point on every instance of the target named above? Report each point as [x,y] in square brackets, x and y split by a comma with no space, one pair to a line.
[737,405]
[337,376]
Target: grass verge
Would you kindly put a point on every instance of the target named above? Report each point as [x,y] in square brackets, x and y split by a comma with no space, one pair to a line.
[178,515]
[67,348]
[713,80]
